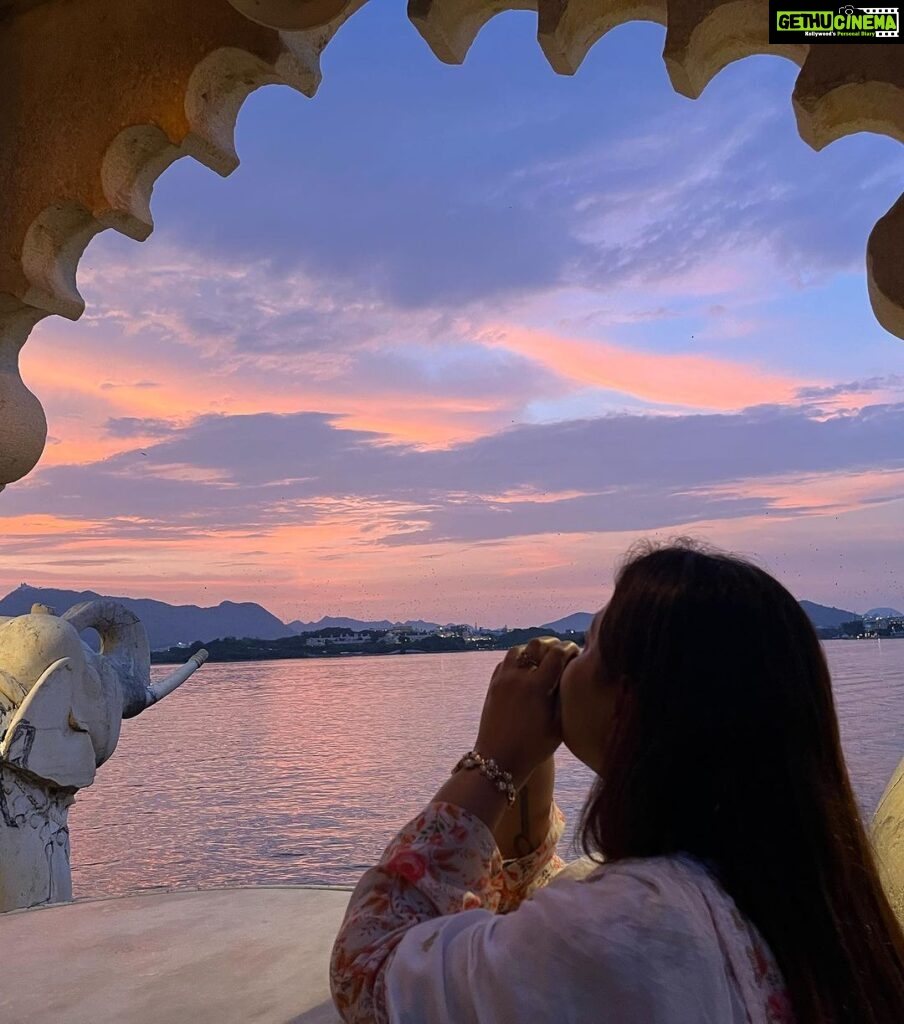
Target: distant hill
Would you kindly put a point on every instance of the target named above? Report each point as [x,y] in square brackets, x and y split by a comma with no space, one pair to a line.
[578,622]
[167,624]
[340,622]
[826,615]
[882,613]
[336,622]
[819,615]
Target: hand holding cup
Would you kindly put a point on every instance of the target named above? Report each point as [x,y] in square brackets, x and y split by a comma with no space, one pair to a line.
[520,725]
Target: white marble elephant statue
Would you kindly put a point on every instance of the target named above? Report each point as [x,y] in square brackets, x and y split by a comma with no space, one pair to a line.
[61,708]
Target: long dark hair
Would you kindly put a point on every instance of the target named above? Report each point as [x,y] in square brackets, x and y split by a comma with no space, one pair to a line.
[725,745]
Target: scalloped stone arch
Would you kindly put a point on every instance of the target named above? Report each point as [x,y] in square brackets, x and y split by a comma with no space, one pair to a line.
[180,94]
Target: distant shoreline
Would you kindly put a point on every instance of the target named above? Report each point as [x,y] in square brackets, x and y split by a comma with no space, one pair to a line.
[238,651]
[297,648]
[356,656]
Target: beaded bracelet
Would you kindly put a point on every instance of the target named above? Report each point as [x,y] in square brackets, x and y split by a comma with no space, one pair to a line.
[487,767]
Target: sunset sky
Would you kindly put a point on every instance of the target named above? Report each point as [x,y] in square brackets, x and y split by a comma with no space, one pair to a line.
[451,338]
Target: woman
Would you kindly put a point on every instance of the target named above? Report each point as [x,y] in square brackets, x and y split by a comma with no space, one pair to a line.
[737,885]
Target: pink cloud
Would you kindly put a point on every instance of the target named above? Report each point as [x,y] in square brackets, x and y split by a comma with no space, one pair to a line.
[694,381]
[821,494]
[72,376]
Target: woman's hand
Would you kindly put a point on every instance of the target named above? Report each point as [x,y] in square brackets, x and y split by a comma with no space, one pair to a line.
[520,730]
[520,726]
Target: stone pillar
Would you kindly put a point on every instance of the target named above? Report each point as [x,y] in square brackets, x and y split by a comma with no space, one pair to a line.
[888,840]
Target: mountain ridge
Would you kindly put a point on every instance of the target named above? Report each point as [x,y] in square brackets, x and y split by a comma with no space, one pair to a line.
[169,625]
[343,622]
[166,624]
[577,622]
[827,615]
[882,613]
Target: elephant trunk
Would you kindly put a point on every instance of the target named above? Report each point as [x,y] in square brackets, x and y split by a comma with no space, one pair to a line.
[177,677]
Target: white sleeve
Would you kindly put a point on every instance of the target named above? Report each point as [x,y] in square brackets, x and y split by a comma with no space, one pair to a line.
[620,946]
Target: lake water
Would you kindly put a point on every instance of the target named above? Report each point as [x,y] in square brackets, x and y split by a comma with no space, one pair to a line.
[299,772]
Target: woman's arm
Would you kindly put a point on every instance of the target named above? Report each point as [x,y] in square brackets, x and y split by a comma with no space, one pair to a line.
[446,860]
[441,863]
[524,825]
[527,839]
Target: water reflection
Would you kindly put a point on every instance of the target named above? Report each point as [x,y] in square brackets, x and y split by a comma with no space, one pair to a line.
[300,771]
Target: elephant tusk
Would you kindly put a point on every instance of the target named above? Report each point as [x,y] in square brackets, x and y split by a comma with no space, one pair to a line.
[163,688]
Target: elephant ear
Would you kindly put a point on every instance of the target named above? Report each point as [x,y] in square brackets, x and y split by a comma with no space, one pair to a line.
[45,738]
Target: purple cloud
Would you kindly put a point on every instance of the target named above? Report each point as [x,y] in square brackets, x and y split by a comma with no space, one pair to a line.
[613,473]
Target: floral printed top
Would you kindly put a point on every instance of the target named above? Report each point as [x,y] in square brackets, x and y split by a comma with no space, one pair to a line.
[443,931]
